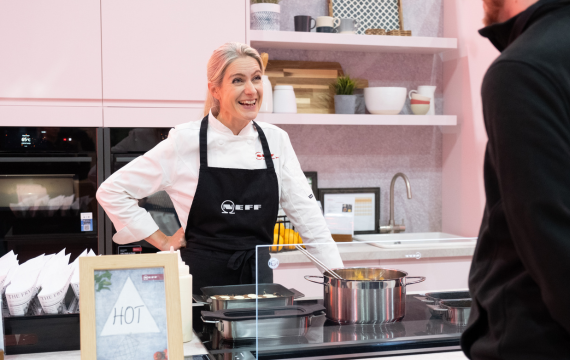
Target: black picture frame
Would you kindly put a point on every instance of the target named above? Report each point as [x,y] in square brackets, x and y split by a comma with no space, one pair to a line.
[370,190]
[314,181]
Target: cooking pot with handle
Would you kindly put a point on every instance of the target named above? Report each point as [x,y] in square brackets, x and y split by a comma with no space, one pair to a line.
[365,295]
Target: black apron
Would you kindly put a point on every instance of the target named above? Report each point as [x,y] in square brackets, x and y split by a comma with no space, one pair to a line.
[233,211]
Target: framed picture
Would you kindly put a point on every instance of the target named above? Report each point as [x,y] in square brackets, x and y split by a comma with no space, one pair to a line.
[373,14]
[313,181]
[130,307]
[366,207]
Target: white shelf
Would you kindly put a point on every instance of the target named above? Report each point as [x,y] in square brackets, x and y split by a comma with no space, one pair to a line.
[338,119]
[346,42]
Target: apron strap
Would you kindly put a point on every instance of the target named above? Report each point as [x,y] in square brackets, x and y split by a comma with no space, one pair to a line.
[204,142]
[265,146]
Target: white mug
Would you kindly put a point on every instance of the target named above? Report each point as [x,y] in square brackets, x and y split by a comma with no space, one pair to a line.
[328,21]
[429,91]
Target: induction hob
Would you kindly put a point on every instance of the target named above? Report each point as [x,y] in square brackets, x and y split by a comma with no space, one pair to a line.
[418,332]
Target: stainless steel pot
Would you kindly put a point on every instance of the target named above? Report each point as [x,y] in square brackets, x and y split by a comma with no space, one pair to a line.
[454,312]
[273,322]
[365,295]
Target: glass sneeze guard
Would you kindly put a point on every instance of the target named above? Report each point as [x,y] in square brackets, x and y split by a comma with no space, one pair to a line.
[379,306]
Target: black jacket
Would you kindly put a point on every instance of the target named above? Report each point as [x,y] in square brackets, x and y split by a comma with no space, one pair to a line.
[520,275]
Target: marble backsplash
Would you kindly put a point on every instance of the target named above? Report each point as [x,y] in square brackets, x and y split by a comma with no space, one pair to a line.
[369,156]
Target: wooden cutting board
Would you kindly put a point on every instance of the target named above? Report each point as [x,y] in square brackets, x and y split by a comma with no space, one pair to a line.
[311,81]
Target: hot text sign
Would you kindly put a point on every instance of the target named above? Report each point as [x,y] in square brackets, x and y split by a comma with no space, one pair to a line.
[135,309]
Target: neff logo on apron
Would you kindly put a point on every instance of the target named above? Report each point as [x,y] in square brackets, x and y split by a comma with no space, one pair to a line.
[228,207]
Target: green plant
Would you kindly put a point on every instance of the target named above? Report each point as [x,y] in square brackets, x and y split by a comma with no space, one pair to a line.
[344,85]
[103,281]
[265,1]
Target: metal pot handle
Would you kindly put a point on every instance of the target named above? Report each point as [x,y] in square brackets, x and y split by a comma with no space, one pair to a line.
[437,309]
[312,276]
[217,322]
[210,321]
[421,279]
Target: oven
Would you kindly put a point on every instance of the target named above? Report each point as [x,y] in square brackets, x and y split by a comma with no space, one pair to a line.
[121,146]
[48,181]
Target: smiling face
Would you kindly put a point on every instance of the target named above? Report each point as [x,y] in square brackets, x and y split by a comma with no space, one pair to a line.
[241,91]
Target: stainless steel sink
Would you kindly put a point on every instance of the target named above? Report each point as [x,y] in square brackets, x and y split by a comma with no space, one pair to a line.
[416,240]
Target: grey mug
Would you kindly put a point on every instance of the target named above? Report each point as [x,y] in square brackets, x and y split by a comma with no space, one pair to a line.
[348,26]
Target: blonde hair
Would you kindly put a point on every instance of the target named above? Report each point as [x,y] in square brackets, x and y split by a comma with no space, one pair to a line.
[217,65]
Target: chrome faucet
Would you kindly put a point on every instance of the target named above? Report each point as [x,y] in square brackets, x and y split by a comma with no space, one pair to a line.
[392,227]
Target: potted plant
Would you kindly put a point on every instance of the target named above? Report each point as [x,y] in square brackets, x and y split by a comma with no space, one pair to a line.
[265,15]
[345,101]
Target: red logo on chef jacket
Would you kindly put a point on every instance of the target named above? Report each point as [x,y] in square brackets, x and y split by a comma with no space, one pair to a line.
[260,156]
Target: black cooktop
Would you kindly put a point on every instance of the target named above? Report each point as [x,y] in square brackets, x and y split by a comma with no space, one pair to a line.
[418,332]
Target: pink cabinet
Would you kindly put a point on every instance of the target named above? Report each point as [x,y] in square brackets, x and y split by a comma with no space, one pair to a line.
[60,116]
[50,50]
[156,51]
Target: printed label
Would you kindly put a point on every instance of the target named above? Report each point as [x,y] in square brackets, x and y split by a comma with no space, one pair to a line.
[153,277]
[87,221]
[129,249]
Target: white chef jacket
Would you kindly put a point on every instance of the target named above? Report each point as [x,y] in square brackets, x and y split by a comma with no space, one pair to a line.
[174,164]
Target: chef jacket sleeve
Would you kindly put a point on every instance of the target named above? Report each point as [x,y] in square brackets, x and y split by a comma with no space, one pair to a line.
[528,123]
[302,209]
[119,194]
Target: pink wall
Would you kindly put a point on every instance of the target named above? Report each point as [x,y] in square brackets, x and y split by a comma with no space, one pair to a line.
[463,150]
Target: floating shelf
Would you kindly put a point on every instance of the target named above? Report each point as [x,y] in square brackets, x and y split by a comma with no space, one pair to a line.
[338,119]
[347,42]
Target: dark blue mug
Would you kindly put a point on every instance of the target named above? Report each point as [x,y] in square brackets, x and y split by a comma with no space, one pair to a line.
[326,29]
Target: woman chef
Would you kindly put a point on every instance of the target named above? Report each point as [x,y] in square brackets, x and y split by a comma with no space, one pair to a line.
[226,176]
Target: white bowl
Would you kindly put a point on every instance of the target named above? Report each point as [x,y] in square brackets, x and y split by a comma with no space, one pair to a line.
[385,100]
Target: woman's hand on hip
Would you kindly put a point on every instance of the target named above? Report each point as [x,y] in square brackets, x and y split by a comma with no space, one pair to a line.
[162,242]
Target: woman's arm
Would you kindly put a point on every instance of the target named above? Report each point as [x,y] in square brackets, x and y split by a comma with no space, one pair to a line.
[302,209]
[163,242]
[142,177]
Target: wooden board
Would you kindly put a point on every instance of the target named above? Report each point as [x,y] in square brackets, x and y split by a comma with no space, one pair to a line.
[311,81]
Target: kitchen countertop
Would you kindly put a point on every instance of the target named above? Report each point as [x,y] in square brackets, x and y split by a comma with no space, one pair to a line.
[72,355]
[358,251]
[195,350]
[192,350]
[452,355]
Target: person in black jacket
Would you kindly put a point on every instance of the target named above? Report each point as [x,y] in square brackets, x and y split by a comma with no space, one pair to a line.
[520,273]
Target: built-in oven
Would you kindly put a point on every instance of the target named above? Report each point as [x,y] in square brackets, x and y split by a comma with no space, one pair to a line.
[121,146]
[48,181]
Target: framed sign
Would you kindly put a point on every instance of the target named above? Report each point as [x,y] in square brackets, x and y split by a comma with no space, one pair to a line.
[363,202]
[313,181]
[130,307]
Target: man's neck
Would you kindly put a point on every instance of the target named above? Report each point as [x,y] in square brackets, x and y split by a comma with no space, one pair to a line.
[514,7]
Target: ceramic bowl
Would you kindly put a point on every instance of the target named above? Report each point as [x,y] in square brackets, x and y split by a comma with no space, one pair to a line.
[385,100]
[420,109]
[420,97]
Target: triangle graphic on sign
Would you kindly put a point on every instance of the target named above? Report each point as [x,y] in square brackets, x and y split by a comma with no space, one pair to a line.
[129,315]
